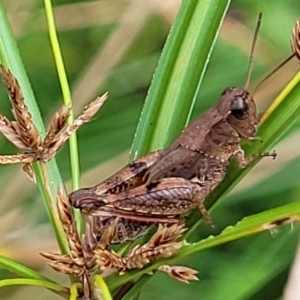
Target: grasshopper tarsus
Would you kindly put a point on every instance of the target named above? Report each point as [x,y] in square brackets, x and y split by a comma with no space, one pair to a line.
[272,154]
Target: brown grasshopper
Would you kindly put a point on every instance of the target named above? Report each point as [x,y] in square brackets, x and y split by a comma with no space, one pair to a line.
[167,184]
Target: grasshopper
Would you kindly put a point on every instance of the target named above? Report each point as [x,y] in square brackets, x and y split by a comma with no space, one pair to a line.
[163,186]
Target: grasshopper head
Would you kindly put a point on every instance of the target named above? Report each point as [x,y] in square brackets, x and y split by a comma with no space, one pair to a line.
[239,109]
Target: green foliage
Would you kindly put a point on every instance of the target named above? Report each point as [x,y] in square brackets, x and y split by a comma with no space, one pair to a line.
[253,267]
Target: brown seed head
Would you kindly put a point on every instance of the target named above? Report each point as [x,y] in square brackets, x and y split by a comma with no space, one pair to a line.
[295,41]
[182,274]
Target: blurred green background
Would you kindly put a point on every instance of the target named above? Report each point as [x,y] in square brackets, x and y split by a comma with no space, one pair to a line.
[114,46]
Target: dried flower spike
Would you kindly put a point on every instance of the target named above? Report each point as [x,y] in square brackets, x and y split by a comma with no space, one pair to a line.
[73,263]
[65,262]
[163,244]
[23,133]
[23,126]
[51,146]
[69,226]
[182,274]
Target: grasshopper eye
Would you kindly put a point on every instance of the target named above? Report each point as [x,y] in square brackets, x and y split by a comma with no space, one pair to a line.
[239,108]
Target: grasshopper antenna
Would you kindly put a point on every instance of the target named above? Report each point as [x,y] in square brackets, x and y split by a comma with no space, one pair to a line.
[295,43]
[252,51]
[273,71]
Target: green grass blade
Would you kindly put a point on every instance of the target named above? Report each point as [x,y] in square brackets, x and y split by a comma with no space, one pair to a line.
[103,287]
[34,282]
[74,159]
[11,57]
[21,270]
[179,74]
[74,291]
[31,277]
[283,115]
[248,226]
